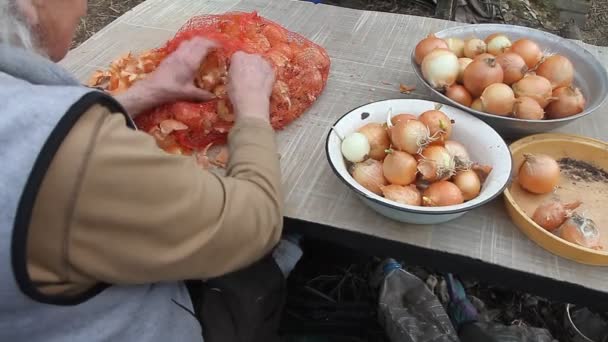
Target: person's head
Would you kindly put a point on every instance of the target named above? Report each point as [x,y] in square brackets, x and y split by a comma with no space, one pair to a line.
[45,26]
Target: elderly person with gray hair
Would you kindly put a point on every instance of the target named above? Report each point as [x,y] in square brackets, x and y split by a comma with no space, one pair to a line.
[99,227]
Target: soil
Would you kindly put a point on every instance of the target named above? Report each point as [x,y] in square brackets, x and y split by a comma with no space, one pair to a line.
[581,171]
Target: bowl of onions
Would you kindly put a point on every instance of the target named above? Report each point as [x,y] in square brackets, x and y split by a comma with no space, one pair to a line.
[519,80]
[418,161]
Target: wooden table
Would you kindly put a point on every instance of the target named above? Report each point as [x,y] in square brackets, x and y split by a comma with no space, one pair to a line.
[370,57]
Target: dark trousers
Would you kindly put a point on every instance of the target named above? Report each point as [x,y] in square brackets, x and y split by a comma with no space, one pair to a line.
[243,306]
[473,333]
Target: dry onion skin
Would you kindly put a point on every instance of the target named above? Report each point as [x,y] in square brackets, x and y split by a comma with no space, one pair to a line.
[378,139]
[536,87]
[369,174]
[442,193]
[538,174]
[410,136]
[469,184]
[399,168]
[581,231]
[425,46]
[474,47]
[513,66]
[552,214]
[526,108]
[439,124]
[459,94]
[403,117]
[408,195]
[440,68]
[497,43]
[459,153]
[567,101]
[462,64]
[480,74]
[528,50]
[498,99]
[557,69]
[456,45]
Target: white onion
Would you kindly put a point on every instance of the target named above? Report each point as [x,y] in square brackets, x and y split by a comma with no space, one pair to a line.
[355,147]
[440,68]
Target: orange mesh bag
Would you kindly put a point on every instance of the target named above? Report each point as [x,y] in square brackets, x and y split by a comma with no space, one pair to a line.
[301,69]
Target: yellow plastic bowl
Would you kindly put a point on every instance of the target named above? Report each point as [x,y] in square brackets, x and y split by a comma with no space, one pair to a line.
[557,146]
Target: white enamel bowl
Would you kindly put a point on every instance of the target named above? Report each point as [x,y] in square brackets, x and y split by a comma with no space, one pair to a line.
[484,145]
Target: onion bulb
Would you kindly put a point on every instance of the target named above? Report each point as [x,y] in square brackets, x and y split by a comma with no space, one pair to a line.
[539,173]
[513,66]
[408,195]
[410,136]
[403,117]
[440,194]
[428,44]
[436,164]
[469,184]
[476,104]
[536,87]
[399,168]
[528,50]
[355,147]
[462,64]
[484,56]
[581,231]
[369,175]
[552,214]
[377,136]
[480,74]
[498,99]
[557,69]
[456,45]
[474,47]
[459,153]
[567,101]
[527,108]
[498,43]
[440,126]
[440,68]
[459,94]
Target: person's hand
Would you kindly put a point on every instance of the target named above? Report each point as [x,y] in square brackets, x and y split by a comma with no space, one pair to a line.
[173,79]
[250,81]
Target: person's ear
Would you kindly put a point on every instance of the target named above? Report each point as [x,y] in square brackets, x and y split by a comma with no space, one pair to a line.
[29,9]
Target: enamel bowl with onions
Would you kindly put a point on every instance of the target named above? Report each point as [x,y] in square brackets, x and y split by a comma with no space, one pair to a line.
[417,161]
[519,80]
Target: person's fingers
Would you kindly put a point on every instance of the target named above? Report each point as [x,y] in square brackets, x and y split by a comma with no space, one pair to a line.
[198,94]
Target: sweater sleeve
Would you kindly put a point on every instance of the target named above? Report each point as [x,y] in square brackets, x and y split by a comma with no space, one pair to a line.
[138,215]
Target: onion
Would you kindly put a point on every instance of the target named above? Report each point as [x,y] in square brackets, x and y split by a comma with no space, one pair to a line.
[456,45]
[377,136]
[484,56]
[428,44]
[527,108]
[436,164]
[442,193]
[474,47]
[355,147]
[469,184]
[513,66]
[410,136]
[567,101]
[440,68]
[482,171]
[462,64]
[440,126]
[459,153]
[369,175]
[459,94]
[480,74]
[408,195]
[498,99]
[528,50]
[581,231]
[536,87]
[403,117]
[498,43]
[539,173]
[477,105]
[552,214]
[557,69]
[399,168]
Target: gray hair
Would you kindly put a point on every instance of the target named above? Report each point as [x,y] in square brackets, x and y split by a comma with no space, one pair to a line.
[14,29]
